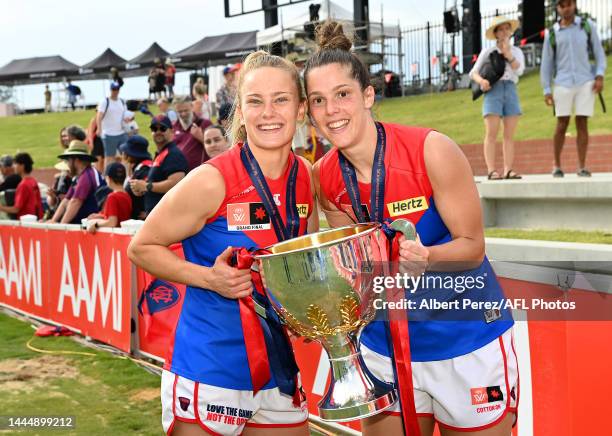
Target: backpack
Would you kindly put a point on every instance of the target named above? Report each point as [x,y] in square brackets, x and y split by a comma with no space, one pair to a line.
[584,25]
[76,90]
[108,103]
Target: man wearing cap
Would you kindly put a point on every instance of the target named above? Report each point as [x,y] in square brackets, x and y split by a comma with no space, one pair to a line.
[225,94]
[168,168]
[109,120]
[27,197]
[138,160]
[568,45]
[80,201]
[118,204]
[11,179]
[189,132]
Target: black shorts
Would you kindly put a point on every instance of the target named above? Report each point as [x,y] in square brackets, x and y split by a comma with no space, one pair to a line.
[98,147]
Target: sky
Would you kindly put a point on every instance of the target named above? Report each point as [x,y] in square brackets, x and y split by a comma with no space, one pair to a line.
[79,30]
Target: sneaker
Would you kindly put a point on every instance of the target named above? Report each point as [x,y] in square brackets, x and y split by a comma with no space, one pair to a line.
[584,173]
[557,173]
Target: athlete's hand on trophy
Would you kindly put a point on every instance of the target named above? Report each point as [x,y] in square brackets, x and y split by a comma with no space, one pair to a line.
[485,85]
[413,256]
[228,281]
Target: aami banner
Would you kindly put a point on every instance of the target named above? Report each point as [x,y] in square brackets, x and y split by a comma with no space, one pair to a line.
[72,278]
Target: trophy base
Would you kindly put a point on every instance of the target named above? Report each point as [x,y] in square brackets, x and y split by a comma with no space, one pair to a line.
[358,411]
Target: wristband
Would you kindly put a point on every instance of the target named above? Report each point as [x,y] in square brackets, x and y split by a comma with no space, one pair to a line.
[149,186]
[511,60]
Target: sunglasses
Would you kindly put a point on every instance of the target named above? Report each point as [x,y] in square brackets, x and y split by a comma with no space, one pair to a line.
[156,129]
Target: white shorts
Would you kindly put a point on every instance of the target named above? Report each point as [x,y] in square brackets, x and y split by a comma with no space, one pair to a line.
[579,98]
[225,411]
[467,393]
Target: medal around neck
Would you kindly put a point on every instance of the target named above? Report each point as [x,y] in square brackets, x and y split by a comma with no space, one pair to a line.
[321,285]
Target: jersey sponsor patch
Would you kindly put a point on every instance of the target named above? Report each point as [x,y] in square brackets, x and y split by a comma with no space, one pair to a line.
[405,207]
[247,216]
[489,394]
[302,210]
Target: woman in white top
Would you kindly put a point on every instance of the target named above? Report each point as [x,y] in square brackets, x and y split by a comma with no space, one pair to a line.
[501,99]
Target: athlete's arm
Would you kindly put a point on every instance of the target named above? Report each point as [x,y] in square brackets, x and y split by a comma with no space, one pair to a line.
[165,185]
[313,219]
[181,213]
[335,217]
[457,201]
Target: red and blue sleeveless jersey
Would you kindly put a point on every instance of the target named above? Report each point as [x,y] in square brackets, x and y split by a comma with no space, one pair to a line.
[436,335]
[209,342]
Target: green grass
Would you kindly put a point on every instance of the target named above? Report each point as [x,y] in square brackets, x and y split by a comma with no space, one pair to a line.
[456,115]
[106,394]
[551,235]
[452,113]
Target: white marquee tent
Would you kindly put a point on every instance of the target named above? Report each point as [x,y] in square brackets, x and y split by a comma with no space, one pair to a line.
[288,28]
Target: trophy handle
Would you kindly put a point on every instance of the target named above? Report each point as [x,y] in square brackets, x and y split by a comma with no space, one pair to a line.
[406,227]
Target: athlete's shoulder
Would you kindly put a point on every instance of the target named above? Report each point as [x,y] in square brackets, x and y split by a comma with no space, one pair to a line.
[327,162]
[403,132]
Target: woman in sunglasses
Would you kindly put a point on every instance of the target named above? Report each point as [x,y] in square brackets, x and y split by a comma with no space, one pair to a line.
[228,371]
[463,373]
[169,166]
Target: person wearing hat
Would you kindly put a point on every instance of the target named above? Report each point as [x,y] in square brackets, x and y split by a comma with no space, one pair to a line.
[109,120]
[80,201]
[61,184]
[170,73]
[10,178]
[138,162]
[169,166]
[27,197]
[501,101]
[226,93]
[570,81]
[118,204]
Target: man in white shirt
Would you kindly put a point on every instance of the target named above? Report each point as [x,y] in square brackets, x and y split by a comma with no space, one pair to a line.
[110,120]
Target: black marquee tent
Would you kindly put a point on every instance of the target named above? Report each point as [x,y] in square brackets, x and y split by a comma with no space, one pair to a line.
[147,57]
[37,70]
[100,66]
[211,50]
[220,49]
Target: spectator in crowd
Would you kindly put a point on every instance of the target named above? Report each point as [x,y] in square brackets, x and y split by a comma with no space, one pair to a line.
[115,77]
[95,143]
[201,105]
[224,118]
[157,80]
[189,132]
[169,166]
[118,204]
[10,178]
[47,99]
[129,124]
[164,108]
[215,141]
[61,184]
[226,93]
[64,139]
[75,132]
[73,92]
[501,99]
[80,201]
[138,162]
[170,74]
[110,122]
[568,45]
[27,198]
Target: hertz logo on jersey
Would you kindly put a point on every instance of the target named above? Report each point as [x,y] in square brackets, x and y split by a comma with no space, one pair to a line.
[302,210]
[405,207]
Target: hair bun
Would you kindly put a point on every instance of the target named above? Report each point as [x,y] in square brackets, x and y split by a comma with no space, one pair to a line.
[331,36]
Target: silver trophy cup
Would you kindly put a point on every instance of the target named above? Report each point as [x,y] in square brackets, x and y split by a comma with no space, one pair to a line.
[321,286]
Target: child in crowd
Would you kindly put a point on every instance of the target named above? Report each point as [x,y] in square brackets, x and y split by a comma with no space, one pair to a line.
[118,204]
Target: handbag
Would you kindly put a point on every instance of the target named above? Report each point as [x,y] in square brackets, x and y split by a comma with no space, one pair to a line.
[492,70]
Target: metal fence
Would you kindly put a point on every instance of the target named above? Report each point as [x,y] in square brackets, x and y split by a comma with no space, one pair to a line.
[425,56]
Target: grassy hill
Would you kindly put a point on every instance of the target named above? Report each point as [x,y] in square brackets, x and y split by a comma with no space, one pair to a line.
[452,113]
